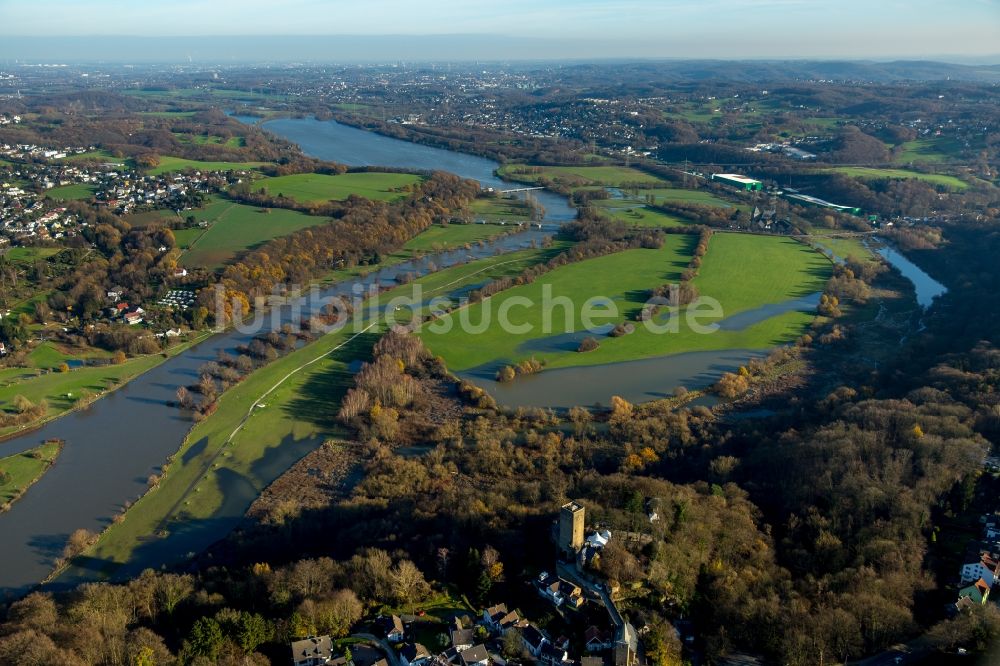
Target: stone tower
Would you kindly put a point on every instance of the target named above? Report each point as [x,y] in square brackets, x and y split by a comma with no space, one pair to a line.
[571,517]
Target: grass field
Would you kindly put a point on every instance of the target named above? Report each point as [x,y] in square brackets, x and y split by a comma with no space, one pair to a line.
[20,471]
[438,237]
[75,192]
[684,195]
[28,255]
[610,176]
[211,140]
[320,188]
[167,114]
[843,247]
[641,216]
[213,474]
[169,163]
[234,229]
[870,174]
[931,150]
[65,390]
[435,238]
[501,210]
[100,155]
[741,271]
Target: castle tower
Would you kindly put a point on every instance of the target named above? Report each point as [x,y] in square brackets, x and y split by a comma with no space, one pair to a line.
[571,517]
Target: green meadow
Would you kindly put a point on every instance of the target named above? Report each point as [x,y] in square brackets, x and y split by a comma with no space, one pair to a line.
[211,140]
[500,210]
[75,192]
[684,196]
[741,271]
[169,163]
[929,150]
[867,173]
[65,390]
[609,176]
[641,216]
[18,472]
[235,228]
[319,188]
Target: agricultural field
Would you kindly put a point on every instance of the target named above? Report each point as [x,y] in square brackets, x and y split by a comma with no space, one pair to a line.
[75,192]
[169,163]
[867,173]
[609,176]
[743,272]
[20,471]
[309,188]
[234,228]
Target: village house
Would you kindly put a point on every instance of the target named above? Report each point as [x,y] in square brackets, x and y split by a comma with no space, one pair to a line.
[413,654]
[552,655]
[559,591]
[313,651]
[596,639]
[533,639]
[392,628]
[461,639]
[474,656]
[493,615]
[978,592]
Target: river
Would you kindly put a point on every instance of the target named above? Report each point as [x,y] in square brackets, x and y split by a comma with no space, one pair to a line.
[114,445]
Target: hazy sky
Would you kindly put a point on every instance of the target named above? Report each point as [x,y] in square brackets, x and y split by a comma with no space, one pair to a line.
[670,28]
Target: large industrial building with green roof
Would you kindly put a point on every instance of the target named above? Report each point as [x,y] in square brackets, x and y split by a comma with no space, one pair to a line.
[738,181]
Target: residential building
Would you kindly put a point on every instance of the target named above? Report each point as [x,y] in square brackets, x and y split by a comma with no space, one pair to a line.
[596,639]
[534,640]
[979,592]
[493,615]
[414,654]
[462,639]
[392,628]
[312,651]
[552,655]
[986,568]
[474,656]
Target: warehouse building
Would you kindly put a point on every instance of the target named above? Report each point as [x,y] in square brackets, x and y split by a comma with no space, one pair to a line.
[738,181]
[807,200]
